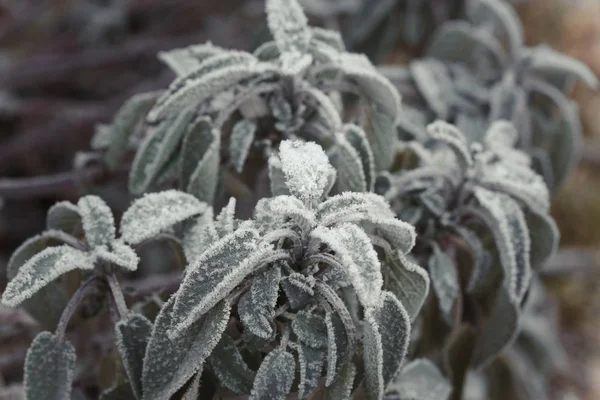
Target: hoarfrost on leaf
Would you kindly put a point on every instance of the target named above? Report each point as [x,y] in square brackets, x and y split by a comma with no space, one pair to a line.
[275,376]
[97,219]
[288,25]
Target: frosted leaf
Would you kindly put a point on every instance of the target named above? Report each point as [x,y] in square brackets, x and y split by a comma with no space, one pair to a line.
[275,376]
[170,362]
[347,162]
[277,177]
[230,368]
[503,18]
[124,124]
[310,329]
[444,279]
[272,213]
[358,139]
[42,269]
[215,273]
[256,307]
[338,351]
[447,133]
[118,392]
[341,387]
[119,254]
[199,236]
[184,61]
[482,260]
[97,219]
[420,379]
[506,221]
[205,161]
[157,150]
[545,60]
[268,52]
[498,330]
[288,25]
[242,136]
[155,212]
[544,236]
[193,390]
[299,289]
[329,37]
[354,250]
[64,216]
[382,134]
[324,107]
[433,81]
[294,63]
[225,221]
[49,368]
[373,356]
[311,362]
[132,335]
[306,169]
[407,281]
[501,133]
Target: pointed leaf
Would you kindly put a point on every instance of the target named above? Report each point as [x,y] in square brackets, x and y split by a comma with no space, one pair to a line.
[288,25]
[311,362]
[275,376]
[230,368]
[132,335]
[545,60]
[225,221]
[199,236]
[120,255]
[256,307]
[310,329]
[347,162]
[242,136]
[156,212]
[407,281]
[49,368]
[97,219]
[444,279]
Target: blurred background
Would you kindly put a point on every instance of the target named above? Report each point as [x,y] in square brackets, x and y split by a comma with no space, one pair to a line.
[68,65]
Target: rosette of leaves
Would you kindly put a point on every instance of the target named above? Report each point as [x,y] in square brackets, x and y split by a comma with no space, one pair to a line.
[231,108]
[83,237]
[478,70]
[291,301]
[483,226]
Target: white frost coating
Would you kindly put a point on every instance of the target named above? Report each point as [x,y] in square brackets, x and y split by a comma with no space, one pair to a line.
[501,132]
[199,236]
[119,254]
[275,376]
[324,107]
[350,171]
[97,219]
[156,212]
[408,281]
[332,353]
[444,279]
[310,329]
[373,355]
[288,25]
[311,363]
[225,221]
[294,63]
[42,269]
[63,215]
[449,134]
[240,141]
[353,248]
[306,168]
[186,60]
[277,177]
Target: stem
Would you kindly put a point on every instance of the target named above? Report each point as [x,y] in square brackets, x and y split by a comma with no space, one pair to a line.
[71,307]
[117,295]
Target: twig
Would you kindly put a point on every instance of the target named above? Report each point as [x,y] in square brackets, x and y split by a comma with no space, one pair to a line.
[71,307]
[117,295]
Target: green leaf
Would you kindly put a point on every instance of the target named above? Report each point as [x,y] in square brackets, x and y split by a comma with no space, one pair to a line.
[544,236]
[42,269]
[299,289]
[240,141]
[545,60]
[132,335]
[97,219]
[341,387]
[120,255]
[310,329]
[171,361]
[256,307]
[200,161]
[407,281]
[49,368]
[421,380]
[347,162]
[156,212]
[199,236]
[288,25]
[186,60]
[230,368]
[311,362]
[448,134]
[338,347]
[444,279]
[358,139]
[64,216]
[225,222]
[503,18]
[373,356]
[275,376]
[277,177]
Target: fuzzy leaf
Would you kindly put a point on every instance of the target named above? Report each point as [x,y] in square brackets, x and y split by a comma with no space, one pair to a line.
[503,17]
[358,139]
[347,162]
[306,169]
[373,356]
[242,136]
[256,306]
[49,368]
[230,368]
[341,388]
[170,362]
[310,329]
[407,281]
[275,376]
[444,279]
[184,61]
[121,255]
[132,335]
[288,25]
[277,177]
[225,221]
[311,362]
[201,160]
[381,132]
[156,212]
[272,213]
[331,38]
[394,327]
[544,236]
[433,82]
[448,134]
[545,60]
[199,236]
[64,216]
[42,269]
[215,273]
[421,380]
[299,289]
[97,219]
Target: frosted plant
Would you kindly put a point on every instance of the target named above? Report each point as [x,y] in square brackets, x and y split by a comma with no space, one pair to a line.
[483,201]
[292,299]
[228,109]
[478,70]
[83,236]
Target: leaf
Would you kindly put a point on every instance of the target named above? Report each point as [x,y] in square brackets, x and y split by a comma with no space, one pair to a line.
[132,335]
[202,160]
[433,82]
[311,362]
[407,281]
[347,162]
[544,236]
[230,368]
[506,221]
[341,388]
[503,17]
[448,134]
[545,60]
[288,25]
[64,216]
[170,362]
[373,356]
[444,279]
[498,331]
[242,136]
[256,307]
[124,124]
[277,177]
[42,269]
[310,329]
[338,347]
[49,368]
[185,60]
[157,150]
[97,219]
[299,289]
[120,255]
[421,380]
[358,139]
[328,37]
[199,236]
[157,212]
[306,169]
[215,273]
[275,376]
[225,221]
[381,132]
[394,328]
[272,213]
